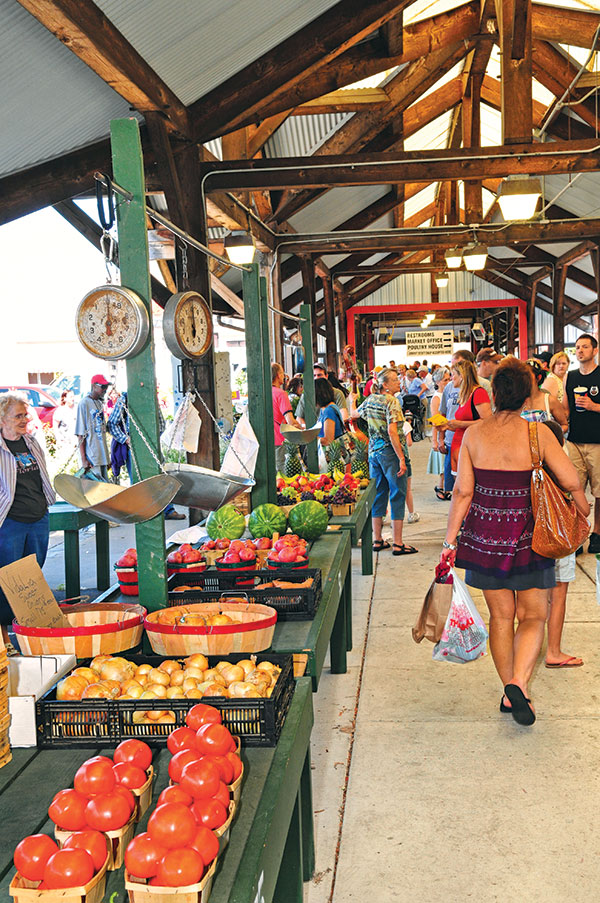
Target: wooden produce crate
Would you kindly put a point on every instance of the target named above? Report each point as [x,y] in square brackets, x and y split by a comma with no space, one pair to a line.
[24,891]
[140,891]
[117,842]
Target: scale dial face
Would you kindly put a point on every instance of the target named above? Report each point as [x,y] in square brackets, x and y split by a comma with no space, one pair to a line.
[187,325]
[112,322]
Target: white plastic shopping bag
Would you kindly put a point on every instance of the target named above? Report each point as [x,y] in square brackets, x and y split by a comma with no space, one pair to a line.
[465,636]
[240,457]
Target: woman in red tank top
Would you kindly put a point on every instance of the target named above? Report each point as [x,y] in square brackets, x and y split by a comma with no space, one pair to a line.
[474,405]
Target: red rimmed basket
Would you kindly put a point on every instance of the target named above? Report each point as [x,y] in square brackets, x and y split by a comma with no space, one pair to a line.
[107,627]
[128,580]
[235,567]
[253,631]
[283,566]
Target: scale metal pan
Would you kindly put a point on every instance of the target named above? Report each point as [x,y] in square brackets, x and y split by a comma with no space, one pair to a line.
[299,437]
[122,505]
[203,488]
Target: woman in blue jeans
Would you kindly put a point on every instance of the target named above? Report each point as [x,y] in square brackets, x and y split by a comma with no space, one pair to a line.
[25,493]
[389,463]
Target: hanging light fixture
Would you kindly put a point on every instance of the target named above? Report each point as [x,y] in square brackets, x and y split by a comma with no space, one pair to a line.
[475,256]
[239,247]
[453,258]
[518,197]
[441,280]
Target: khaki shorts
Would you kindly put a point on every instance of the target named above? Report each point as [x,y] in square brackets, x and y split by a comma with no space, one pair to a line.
[586,460]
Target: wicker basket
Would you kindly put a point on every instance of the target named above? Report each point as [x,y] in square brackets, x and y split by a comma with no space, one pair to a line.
[25,891]
[107,627]
[253,634]
[5,753]
[140,892]
[143,796]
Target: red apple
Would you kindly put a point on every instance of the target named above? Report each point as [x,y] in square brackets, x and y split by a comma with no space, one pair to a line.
[210,545]
[126,561]
[263,543]
[273,555]
[222,544]
[247,555]
[287,555]
[175,558]
[231,558]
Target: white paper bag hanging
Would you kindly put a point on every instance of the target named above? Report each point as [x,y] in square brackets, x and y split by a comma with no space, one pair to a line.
[174,433]
[191,432]
[240,457]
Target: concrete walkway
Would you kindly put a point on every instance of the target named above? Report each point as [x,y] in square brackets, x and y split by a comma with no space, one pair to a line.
[423,791]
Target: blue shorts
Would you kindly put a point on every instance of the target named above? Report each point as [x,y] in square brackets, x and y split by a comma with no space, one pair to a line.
[384,465]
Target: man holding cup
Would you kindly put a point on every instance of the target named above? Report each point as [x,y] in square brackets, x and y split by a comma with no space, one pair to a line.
[582,401]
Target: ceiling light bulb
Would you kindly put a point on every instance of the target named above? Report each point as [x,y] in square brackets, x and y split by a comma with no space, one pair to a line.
[441,280]
[475,257]
[453,258]
[239,247]
[518,197]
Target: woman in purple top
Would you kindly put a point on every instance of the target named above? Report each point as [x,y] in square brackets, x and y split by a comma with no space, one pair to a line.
[492,496]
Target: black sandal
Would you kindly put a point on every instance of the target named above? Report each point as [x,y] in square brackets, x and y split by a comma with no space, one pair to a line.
[440,493]
[380,544]
[521,708]
[404,550]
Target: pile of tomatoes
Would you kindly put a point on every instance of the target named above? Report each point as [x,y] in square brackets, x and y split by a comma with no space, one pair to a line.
[101,800]
[180,843]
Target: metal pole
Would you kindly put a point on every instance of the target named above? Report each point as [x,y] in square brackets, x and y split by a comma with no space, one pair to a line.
[134,263]
[260,403]
[312,457]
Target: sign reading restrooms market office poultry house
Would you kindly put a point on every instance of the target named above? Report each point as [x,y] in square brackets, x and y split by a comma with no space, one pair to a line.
[429,341]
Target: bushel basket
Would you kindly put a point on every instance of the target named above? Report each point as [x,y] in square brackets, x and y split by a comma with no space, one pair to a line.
[107,627]
[252,631]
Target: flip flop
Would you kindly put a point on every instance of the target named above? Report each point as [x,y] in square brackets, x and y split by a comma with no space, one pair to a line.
[380,544]
[521,708]
[404,550]
[572,662]
[440,493]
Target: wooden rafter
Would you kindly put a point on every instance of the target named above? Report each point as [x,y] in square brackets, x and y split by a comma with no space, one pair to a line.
[91,36]
[241,100]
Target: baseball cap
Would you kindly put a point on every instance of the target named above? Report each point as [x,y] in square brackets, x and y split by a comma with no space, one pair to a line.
[100,380]
[319,366]
[545,356]
[488,354]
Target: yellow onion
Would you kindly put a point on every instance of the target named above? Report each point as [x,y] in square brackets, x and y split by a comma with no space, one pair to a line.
[87,673]
[117,669]
[243,690]
[148,694]
[177,678]
[259,679]
[194,693]
[213,675]
[231,673]
[196,660]
[174,692]
[198,673]
[155,676]
[265,666]
[159,690]
[141,673]
[247,664]
[155,714]
[97,662]
[189,684]
[213,689]
[169,665]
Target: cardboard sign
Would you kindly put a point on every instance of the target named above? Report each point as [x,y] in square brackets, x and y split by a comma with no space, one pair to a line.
[29,595]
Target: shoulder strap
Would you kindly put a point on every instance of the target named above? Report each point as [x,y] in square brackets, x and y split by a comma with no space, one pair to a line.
[534,444]
[474,411]
[547,403]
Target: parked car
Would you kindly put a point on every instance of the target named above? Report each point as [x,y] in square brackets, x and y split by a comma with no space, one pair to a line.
[40,397]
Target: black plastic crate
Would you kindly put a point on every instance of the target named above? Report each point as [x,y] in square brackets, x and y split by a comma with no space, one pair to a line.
[258,722]
[298,604]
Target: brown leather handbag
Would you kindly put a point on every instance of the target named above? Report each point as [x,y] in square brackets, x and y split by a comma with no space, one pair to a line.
[559,527]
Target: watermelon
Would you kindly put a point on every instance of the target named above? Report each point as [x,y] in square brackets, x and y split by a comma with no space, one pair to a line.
[225,523]
[266,520]
[308,519]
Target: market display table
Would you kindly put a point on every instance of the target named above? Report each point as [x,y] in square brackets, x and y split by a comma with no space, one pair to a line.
[71,520]
[360,526]
[332,624]
[270,850]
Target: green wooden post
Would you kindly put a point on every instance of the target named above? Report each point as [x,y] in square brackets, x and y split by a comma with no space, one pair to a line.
[312,455]
[260,404]
[128,168]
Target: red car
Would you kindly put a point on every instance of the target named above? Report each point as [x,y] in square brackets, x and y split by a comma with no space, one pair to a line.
[39,397]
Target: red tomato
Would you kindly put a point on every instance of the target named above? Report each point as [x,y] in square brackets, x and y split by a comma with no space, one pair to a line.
[181,738]
[172,825]
[200,779]
[92,841]
[95,776]
[180,868]
[213,739]
[210,813]
[222,794]
[206,843]
[175,795]
[237,765]
[107,812]
[143,856]
[200,714]
[32,854]
[68,868]
[127,795]
[225,767]
[129,775]
[179,761]
[136,752]
[67,810]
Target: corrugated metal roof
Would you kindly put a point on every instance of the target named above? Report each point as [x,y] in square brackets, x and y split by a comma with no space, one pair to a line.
[195,46]
[415,288]
[300,136]
[337,206]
